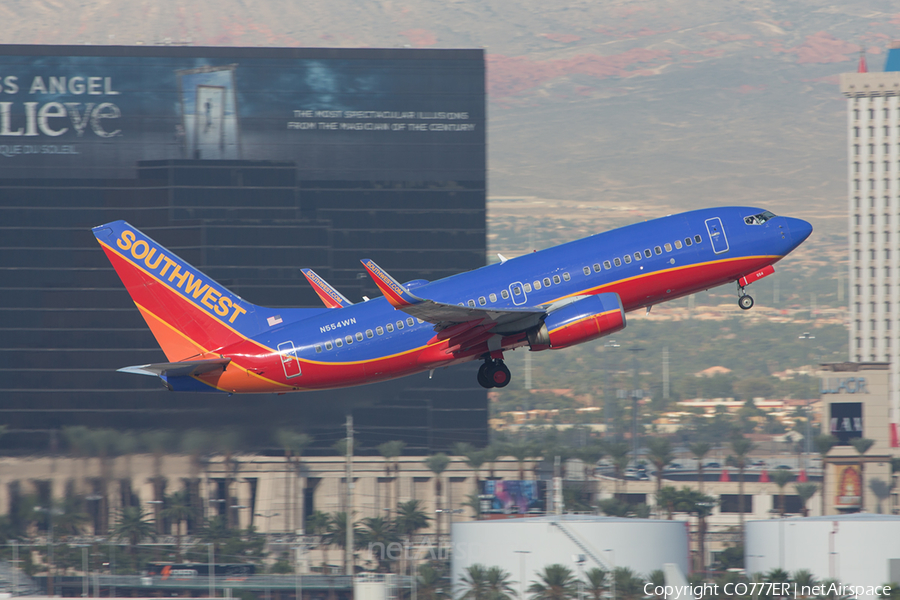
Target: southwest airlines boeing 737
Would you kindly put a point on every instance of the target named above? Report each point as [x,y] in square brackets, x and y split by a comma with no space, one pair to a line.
[547,300]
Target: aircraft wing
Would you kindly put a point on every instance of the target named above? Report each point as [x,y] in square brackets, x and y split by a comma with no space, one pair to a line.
[178,369]
[329,296]
[445,315]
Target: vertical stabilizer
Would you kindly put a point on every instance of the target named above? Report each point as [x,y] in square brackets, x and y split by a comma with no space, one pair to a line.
[188,313]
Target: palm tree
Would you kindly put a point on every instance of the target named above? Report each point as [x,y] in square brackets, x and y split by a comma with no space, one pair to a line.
[741,447]
[474,502]
[131,526]
[337,534]
[700,450]
[474,581]
[77,439]
[69,517]
[667,497]
[660,454]
[430,583]
[824,444]
[781,477]
[177,508]
[596,582]
[521,451]
[692,501]
[474,459]
[862,446]
[390,451]
[410,519]
[215,531]
[628,585]
[590,455]
[226,443]
[317,523]
[437,464]
[378,532]
[556,582]
[805,491]
[499,586]
[196,443]
[294,443]
[100,444]
[804,579]
[158,442]
[491,454]
[618,451]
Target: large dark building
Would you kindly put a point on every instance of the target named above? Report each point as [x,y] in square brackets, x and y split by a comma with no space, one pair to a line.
[250,164]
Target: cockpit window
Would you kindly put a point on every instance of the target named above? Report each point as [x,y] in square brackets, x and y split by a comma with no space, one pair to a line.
[759,219]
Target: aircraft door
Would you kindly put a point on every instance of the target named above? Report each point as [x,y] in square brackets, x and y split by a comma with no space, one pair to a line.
[717,235]
[517,292]
[289,361]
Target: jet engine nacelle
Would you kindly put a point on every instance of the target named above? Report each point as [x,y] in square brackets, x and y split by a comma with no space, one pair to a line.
[580,321]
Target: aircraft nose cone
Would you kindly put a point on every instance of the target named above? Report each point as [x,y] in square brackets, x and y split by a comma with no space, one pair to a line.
[800,230]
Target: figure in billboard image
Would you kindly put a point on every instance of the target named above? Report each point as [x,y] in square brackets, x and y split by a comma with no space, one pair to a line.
[209,113]
[517,497]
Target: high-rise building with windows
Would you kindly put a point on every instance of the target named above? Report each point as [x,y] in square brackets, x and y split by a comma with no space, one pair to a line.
[249,163]
[873,126]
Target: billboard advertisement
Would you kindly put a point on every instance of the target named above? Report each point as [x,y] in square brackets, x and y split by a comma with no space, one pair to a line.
[87,112]
[514,496]
[849,486]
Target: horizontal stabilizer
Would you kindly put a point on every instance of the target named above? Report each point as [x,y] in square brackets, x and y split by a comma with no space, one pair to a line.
[329,296]
[179,369]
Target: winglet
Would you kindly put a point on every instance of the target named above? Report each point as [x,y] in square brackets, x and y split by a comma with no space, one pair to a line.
[395,293]
[329,296]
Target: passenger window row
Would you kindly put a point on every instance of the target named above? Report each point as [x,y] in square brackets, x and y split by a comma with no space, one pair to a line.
[647,253]
[517,290]
[338,342]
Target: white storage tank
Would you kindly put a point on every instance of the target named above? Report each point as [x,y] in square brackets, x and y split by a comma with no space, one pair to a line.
[856,549]
[524,546]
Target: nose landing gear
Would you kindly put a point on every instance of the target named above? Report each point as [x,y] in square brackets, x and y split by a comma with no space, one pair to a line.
[744,300]
[493,373]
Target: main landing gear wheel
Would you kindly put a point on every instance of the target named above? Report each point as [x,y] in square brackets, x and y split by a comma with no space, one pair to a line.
[483,380]
[493,373]
[745,302]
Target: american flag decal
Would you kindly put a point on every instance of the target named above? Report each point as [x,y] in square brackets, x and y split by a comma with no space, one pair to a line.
[272,321]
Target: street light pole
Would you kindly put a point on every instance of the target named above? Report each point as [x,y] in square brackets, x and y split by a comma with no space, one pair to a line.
[523,554]
[612,573]
[212,571]
[298,583]
[15,571]
[112,568]
[608,409]
[49,511]
[636,394]
[580,560]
